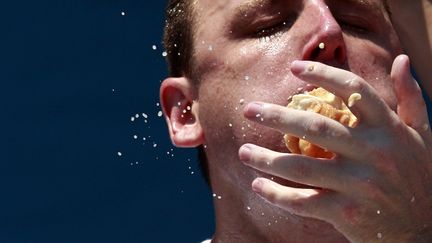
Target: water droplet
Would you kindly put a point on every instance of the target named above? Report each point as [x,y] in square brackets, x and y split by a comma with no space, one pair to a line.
[159,114]
[242,101]
[119,154]
[412,199]
[135,137]
[157,104]
[230,125]
[123,13]
[248,208]
[210,48]
[144,115]
[132,118]
[164,54]
[246,77]
[378,212]
[379,235]
[219,197]
[154,47]
[136,115]
[154,145]
[188,108]
[214,194]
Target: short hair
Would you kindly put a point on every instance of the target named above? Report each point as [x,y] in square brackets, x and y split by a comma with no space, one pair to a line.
[179,45]
[178,37]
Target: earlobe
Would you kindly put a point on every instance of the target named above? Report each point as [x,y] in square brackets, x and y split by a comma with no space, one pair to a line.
[177,97]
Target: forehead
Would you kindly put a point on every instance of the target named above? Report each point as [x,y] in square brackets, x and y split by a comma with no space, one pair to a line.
[207,8]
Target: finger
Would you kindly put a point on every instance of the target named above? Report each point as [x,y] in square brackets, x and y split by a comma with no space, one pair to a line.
[298,168]
[411,106]
[315,128]
[370,108]
[314,203]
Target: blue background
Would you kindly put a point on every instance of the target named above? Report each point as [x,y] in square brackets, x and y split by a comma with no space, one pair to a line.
[73,73]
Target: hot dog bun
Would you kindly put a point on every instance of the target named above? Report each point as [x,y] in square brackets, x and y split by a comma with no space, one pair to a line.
[322,102]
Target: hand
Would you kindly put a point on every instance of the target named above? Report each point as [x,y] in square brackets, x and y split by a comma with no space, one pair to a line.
[378,187]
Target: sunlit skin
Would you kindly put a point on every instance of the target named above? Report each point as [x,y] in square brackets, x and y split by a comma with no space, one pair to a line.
[364,194]
[413,23]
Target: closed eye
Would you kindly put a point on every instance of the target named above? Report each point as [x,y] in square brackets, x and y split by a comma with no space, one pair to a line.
[274,28]
[356,25]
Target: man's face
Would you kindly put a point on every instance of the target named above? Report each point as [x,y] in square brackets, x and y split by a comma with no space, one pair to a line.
[243,52]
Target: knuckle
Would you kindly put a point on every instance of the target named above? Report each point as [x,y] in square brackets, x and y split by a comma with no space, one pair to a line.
[262,160]
[356,84]
[301,169]
[274,114]
[317,127]
[273,197]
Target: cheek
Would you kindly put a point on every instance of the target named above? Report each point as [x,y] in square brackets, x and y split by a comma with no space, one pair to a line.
[221,116]
[373,64]
[249,71]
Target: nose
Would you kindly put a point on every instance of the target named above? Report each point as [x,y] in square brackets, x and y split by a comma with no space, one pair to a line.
[326,43]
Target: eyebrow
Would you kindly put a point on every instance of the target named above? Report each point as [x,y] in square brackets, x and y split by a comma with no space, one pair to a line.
[246,12]
[250,6]
[366,4]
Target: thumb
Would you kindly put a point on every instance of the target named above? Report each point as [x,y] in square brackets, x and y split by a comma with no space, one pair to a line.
[411,106]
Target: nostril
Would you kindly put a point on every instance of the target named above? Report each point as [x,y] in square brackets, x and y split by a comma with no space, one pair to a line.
[339,55]
[315,53]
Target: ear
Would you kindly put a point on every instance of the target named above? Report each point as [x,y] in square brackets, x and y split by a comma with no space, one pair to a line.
[177,96]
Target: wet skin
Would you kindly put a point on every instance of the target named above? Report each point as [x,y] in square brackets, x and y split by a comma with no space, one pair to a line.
[245,50]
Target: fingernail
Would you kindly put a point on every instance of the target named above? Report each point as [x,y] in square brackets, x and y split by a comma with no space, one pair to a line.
[257,185]
[253,109]
[298,67]
[245,153]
